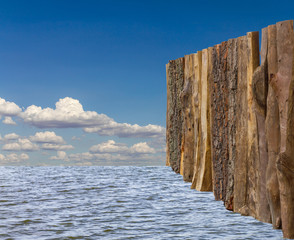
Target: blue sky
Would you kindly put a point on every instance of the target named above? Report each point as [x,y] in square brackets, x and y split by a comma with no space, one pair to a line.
[83,82]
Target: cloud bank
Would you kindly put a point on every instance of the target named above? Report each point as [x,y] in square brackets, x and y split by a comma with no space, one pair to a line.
[69,113]
[120,148]
[110,150]
[13,158]
[41,140]
[47,137]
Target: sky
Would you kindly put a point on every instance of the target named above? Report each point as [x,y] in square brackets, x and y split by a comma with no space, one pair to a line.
[83,82]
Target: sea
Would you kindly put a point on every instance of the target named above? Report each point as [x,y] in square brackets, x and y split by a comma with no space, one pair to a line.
[114,203]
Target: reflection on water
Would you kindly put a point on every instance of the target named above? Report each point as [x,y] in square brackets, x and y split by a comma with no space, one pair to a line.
[114,203]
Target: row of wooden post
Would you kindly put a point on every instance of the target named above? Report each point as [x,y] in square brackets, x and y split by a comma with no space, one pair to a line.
[230,123]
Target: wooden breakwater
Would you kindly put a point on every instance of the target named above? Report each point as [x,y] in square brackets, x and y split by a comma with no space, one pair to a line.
[230,123]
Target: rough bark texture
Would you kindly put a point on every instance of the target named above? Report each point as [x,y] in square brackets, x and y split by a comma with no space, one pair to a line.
[232,76]
[230,123]
[219,120]
[174,112]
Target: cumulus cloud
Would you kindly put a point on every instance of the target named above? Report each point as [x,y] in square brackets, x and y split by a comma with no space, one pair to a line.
[9,121]
[119,148]
[110,150]
[69,113]
[113,128]
[9,108]
[20,145]
[13,158]
[61,155]
[11,136]
[47,137]
[109,147]
[56,147]
[142,148]
[24,156]
[41,140]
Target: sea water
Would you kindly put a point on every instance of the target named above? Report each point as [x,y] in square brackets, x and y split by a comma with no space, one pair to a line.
[114,203]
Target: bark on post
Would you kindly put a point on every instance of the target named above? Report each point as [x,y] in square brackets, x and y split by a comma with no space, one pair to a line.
[232,77]
[219,112]
[230,123]
[175,123]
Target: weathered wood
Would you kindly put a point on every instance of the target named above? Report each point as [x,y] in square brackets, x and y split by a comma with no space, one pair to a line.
[232,78]
[283,86]
[240,175]
[175,123]
[204,166]
[197,114]
[260,88]
[187,160]
[167,163]
[219,112]
[253,62]
[272,127]
[230,123]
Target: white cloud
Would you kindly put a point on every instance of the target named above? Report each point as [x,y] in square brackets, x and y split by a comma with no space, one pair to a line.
[61,155]
[9,121]
[24,156]
[142,147]
[57,147]
[110,152]
[13,158]
[127,130]
[9,108]
[20,145]
[109,147]
[120,148]
[47,137]
[69,113]
[11,136]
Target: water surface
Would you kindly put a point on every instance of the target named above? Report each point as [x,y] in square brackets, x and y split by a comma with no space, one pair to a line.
[114,203]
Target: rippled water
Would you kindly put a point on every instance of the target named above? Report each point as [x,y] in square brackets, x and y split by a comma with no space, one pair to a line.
[114,203]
